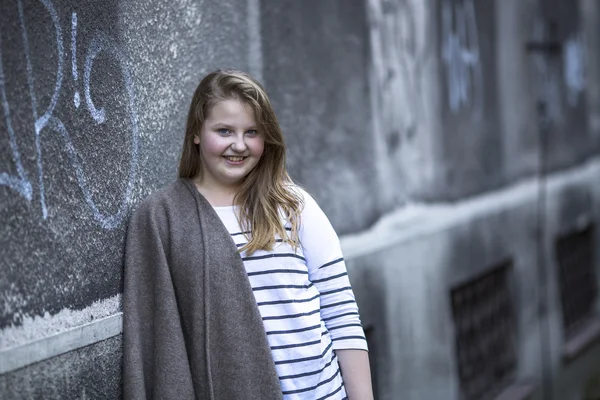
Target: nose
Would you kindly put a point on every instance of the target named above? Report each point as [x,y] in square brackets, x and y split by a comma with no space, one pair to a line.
[239,143]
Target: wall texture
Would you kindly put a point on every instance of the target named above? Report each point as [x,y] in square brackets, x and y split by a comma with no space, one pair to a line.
[93,109]
[315,57]
[437,136]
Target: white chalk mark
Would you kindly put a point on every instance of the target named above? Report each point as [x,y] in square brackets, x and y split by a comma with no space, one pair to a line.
[76,98]
[20,184]
[574,68]
[41,122]
[30,78]
[102,43]
[107,221]
[74,45]
[460,53]
[98,115]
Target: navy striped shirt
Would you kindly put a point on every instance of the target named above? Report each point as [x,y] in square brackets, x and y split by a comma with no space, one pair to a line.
[306,303]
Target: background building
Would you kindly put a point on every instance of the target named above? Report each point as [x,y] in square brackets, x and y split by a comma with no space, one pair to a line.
[454,144]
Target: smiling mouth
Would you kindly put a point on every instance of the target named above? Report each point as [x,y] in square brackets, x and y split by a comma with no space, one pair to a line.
[234,159]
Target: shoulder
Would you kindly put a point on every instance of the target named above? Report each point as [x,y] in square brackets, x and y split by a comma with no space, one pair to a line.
[311,213]
[157,199]
[303,195]
[160,202]
[164,213]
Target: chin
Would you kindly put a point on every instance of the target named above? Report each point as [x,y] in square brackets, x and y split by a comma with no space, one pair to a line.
[233,181]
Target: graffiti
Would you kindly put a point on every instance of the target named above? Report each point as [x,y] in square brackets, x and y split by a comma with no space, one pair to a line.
[76,99]
[400,51]
[21,184]
[49,122]
[546,78]
[460,54]
[560,81]
[574,68]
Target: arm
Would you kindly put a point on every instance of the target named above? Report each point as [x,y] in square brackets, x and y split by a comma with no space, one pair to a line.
[152,333]
[356,373]
[327,271]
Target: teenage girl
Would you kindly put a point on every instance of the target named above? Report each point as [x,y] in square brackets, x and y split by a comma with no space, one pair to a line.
[234,157]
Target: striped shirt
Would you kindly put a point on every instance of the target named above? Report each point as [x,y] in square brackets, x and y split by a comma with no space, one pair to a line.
[306,303]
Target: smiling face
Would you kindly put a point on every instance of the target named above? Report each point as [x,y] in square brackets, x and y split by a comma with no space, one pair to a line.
[230,145]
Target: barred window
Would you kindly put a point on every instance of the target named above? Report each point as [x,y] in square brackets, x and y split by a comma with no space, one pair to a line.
[578,281]
[485,334]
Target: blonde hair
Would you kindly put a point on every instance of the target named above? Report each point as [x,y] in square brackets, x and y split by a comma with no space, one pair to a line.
[266,193]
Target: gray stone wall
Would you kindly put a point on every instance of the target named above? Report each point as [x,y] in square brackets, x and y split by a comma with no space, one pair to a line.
[94,104]
[315,57]
[437,139]
[93,372]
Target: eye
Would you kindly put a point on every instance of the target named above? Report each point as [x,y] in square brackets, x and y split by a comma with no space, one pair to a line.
[252,132]
[223,131]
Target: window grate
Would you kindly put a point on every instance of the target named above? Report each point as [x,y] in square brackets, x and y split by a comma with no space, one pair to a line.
[485,334]
[578,282]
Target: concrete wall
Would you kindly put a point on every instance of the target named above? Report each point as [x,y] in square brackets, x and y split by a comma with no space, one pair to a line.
[94,98]
[94,103]
[94,372]
[438,145]
[430,249]
[315,70]
[527,162]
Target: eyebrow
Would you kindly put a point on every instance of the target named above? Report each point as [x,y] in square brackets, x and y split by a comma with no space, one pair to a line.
[224,125]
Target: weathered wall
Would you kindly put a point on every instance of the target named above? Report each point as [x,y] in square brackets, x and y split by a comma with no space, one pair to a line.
[405,98]
[520,147]
[533,123]
[94,101]
[412,259]
[470,139]
[315,70]
[94,98]
[93,372]
[560,82]
[437,99]
[389,108]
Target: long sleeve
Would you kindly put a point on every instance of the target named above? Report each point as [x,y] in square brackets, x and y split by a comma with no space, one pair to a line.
[153,343]
[327,271]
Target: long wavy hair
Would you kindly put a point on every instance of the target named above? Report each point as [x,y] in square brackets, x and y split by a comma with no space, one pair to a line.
[267,192]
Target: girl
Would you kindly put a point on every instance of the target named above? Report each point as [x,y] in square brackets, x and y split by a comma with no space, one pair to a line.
[235,285]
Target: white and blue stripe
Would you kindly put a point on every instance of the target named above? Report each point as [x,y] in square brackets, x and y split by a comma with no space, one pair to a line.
[306,303]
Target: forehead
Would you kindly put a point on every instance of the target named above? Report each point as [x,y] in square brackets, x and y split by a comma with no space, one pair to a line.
[231,110]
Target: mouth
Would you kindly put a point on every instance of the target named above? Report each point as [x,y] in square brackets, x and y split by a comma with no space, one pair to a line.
[234,159]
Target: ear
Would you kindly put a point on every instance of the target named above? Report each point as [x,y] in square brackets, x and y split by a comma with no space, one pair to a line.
[196,140]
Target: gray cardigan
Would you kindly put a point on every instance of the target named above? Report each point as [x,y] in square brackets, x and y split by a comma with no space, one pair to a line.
[191,328]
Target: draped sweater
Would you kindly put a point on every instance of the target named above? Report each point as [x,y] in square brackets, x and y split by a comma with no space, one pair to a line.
[191,327]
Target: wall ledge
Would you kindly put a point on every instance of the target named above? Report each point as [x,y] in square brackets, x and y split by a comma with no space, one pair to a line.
[400,226]
[17,357]
[576,345]
[420,219]
[520,390]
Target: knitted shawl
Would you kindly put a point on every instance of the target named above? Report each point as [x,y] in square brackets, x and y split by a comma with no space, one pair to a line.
[191,326]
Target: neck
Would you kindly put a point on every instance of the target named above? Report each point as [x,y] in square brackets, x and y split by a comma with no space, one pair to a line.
[216,195]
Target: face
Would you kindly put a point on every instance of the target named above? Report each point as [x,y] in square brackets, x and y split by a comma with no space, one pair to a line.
[230,144]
